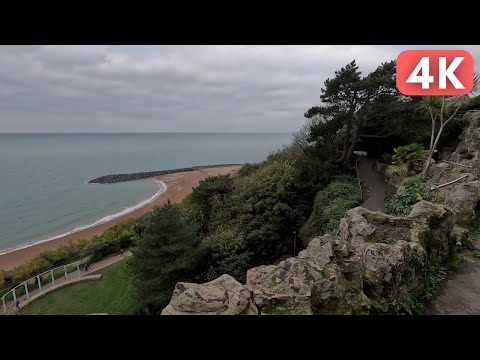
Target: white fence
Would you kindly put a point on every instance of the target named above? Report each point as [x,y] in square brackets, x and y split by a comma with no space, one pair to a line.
[10,300]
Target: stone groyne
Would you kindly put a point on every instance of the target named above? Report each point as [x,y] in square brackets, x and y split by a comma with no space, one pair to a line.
[115,178]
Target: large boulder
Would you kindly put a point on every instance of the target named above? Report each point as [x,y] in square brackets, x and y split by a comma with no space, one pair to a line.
[315,282]
[433,229]
[222,296]
[394,265]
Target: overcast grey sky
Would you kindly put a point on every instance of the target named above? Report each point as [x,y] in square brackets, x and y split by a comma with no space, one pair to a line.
[173,88]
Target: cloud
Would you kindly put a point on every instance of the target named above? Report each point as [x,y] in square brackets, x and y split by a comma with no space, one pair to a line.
[172,88]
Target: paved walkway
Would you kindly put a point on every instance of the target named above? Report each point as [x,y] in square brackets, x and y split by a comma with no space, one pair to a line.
[373,185]
[459,293]
[33,294]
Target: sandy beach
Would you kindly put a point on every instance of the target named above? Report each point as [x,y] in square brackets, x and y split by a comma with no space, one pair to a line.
[179,185]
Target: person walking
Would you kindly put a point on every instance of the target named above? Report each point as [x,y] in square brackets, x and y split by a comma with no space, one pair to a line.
[17,304]
[121,252]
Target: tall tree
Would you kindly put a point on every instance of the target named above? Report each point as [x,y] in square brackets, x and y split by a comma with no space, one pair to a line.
[168,252]
[347,97]
[342,96]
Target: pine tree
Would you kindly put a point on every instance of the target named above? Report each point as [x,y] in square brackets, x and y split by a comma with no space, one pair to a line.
[168,252]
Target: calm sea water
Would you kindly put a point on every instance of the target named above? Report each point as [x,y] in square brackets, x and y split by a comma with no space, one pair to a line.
[42,176]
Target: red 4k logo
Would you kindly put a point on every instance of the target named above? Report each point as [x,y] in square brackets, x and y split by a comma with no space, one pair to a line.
[434,72]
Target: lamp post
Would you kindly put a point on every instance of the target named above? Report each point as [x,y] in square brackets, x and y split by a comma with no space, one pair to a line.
[294,242]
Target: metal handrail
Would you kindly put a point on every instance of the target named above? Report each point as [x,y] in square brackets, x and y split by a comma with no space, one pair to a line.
[38,279]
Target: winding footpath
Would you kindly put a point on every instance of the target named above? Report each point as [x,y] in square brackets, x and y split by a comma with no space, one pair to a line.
[373,185]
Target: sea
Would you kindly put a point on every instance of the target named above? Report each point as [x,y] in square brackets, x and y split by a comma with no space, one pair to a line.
[43,189]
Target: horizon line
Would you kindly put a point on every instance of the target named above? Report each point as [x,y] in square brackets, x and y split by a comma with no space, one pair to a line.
[146,132]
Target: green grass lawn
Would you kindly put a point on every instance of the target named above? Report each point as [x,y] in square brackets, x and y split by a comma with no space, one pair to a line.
[112,295]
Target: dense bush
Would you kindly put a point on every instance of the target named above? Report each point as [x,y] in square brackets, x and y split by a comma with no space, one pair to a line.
[402,204]
[330,206]
[247,169]
[226,253]
[412,180]
[210,199]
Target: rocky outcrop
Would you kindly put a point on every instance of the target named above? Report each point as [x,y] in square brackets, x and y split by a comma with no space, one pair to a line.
[463,196]
[222,296]
[377,263]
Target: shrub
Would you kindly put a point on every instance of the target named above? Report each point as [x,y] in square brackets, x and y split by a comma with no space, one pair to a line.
[387,159]
[226,254]
[402,204]
[408,153]
[412,180]
[330,206]
[396,170]
[248,169]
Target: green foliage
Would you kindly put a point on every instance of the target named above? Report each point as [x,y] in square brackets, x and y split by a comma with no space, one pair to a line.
[402,204]
[396,170]
[408,153]
[415,179]
[210,199]
[455,261]
[386,158]
[168,252]
[413,307]
[247,169]
[474,103]
[330,206]
[266,210]
[435,274]
[226,254]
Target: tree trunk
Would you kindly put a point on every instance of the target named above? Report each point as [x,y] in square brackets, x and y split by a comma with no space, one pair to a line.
[429,160]
[348,158]
[345,143]
[432,136]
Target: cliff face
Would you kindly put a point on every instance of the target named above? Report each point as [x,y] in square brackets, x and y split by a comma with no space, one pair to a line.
[376,263]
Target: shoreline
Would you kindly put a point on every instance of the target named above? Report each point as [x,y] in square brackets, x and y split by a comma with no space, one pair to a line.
[177,187]
[161,186]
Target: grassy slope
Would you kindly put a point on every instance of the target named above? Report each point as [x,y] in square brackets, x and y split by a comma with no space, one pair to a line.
[112,295]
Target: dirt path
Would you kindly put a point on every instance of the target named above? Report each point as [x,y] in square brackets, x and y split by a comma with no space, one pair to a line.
[459,293]
[373,185]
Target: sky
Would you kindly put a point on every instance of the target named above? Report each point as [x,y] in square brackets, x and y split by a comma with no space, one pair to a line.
[237,88]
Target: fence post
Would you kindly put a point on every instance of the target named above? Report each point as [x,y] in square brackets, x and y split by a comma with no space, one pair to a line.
[78,270]
[39,283]
[14,295]
[65,269]
[53,278]
[26,289]
[4,306]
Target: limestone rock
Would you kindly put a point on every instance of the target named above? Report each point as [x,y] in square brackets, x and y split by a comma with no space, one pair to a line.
[376,264]
[460,235]
[222,296]
[318,281]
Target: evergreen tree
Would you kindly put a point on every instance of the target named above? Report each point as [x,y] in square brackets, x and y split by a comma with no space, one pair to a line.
[168,252]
